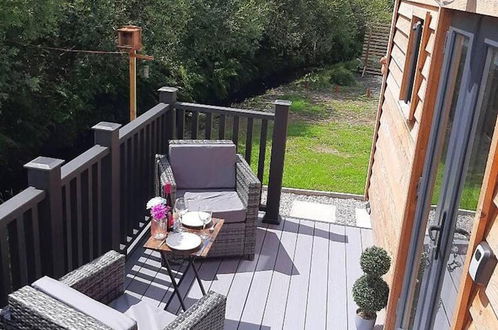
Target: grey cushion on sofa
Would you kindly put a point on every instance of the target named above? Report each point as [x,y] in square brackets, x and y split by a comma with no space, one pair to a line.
[203,166]
[224,204]
[145,314]
[84,304]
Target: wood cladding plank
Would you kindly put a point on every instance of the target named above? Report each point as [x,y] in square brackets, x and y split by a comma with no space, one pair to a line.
[396,73]
[485,7]
[429,48]
[401,40]
[403,24]
[482,313]
[427,66]
[405,9]
[422,89]
[398,56]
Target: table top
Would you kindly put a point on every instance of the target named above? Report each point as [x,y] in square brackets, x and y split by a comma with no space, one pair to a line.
[201,251]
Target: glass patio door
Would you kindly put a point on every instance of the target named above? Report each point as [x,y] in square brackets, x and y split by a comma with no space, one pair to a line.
[460,139]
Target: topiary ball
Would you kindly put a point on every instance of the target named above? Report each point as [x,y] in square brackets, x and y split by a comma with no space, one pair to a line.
[370,293]
[375,261]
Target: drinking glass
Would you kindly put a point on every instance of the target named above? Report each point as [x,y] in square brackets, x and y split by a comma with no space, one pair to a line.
[179,211]
[205,218]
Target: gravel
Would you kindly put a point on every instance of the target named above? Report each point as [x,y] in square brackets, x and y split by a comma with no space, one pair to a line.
[345,212]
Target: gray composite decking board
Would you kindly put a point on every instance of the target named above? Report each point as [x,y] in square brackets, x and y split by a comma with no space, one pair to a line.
[143,276]
[448,297]
[160,286]
[301,275]
[207,273]
[366,238]
[133,265]
[254,307]
[441,321]
[174,307]
[241,284]
[296,301]
[316,310]
[337,298]
[273,317]
[353,270]
[225,275]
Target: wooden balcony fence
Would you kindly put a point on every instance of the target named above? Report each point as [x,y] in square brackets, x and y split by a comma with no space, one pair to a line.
[74,212]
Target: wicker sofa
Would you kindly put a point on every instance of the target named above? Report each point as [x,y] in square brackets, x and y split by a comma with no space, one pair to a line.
[103,281]
[238,235]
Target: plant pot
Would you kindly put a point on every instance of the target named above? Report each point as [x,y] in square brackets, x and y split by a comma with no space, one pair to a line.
[364,324]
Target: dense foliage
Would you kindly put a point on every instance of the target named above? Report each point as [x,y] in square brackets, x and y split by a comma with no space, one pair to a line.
[209,48]
[370,294]
[375,261]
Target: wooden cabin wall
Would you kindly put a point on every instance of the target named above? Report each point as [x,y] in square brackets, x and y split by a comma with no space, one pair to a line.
[401,138]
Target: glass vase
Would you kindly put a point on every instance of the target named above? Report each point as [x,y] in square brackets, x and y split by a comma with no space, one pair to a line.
[158,228]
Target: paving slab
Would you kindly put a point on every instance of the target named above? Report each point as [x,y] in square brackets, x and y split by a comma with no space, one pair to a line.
[313,211]
[363,218]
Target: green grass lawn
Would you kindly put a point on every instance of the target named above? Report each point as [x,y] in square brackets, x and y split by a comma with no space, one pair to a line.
[329,136]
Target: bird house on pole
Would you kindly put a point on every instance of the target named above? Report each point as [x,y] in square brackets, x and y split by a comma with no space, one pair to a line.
[130,37]
[130,40]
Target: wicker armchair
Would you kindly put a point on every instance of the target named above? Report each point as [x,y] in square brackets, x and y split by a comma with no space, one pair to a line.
[102,280]
[236,238]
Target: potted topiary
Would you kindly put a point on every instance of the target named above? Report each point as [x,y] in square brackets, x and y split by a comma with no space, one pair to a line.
[370,291]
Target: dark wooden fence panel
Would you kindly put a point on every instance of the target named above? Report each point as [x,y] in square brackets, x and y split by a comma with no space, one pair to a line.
[140,141]
[21,250]
[217,118]
[81,211]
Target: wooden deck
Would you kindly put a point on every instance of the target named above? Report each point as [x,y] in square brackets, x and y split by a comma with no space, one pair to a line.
[301,278]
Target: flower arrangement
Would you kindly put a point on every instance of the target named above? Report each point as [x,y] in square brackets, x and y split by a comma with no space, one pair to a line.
[159,212]
[158,208]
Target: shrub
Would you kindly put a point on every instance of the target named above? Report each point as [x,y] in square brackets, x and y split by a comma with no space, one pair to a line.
[353,65]
[375,261]
[340,75]
[370,294]
[370,291]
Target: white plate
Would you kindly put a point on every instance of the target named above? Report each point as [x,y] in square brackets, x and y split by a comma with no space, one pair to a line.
[183,241]
[193,218]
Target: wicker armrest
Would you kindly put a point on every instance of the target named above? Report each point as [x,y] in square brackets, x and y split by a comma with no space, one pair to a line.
[247,183]
[164,174]
[207,313]
[101,279]
[32,309]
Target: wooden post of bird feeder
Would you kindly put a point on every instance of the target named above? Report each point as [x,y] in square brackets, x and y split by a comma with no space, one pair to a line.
[130,40]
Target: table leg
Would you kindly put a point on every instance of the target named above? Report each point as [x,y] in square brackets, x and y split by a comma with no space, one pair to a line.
[197,276]
[175,286]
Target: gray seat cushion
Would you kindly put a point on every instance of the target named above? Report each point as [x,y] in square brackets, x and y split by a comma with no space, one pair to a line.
[146,315]
[84,304]
[203,166]
[224,204]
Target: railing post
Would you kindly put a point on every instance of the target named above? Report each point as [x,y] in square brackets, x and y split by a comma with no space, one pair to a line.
[107,135]
[167,95]
[45,173]
[272,214]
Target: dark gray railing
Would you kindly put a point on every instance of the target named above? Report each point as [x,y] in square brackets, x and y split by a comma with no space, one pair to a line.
[73,213]
[279,137]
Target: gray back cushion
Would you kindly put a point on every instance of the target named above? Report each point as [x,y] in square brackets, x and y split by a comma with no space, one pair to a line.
[203,166]
[86,305]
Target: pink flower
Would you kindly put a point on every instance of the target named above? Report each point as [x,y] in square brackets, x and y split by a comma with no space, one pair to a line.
[159,211]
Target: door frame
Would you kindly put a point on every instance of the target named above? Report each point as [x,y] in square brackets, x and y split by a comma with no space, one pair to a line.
[426,183]
[462,134]
[485,213]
